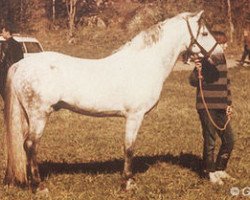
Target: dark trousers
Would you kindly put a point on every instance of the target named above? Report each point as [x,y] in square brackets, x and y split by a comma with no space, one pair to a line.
[246,53]
[3,77]
[209,136]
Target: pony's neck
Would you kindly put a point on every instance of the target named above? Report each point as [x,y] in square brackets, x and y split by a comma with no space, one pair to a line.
[163,43]
[156,49]
[170,45]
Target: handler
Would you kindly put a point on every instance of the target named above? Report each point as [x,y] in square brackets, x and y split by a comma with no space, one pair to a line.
[246,51]
[217,95]
[11,52]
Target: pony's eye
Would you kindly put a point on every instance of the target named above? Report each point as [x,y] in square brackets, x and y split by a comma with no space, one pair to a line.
[204,33]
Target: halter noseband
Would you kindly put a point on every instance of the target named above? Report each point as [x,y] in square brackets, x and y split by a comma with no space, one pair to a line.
[205,53]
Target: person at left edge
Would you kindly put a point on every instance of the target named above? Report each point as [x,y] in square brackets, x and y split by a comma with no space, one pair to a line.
[11,52]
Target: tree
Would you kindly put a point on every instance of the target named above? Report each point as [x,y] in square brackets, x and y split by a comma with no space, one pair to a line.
[3,10]
[53,9]
[37,15]
[231,25]
[71,9]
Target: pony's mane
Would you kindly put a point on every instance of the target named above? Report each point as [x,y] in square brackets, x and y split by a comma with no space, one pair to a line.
[146,37]
[153,34]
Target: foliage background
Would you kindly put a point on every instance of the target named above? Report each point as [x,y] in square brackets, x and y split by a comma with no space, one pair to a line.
[37,15]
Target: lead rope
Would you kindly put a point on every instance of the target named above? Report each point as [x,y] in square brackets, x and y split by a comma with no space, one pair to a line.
[205,104]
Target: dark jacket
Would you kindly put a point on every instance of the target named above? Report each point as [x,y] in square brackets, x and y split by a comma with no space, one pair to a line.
[215,84]
[11,52]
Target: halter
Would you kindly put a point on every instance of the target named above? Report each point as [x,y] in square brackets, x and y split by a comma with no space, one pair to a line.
[205,53]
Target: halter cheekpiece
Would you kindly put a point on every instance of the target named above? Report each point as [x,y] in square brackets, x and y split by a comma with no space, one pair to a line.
[204,52]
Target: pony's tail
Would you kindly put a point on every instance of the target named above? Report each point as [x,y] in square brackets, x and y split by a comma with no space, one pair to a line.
[17,126]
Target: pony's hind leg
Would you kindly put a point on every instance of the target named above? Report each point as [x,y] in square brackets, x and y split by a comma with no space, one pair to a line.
[30,145]
[133,124]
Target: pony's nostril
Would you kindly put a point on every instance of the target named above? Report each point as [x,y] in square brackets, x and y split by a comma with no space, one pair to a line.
[204,33]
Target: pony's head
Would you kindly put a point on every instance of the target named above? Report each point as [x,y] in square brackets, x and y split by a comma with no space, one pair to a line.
[202,42]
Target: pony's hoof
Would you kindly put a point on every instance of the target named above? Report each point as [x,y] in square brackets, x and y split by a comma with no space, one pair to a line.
[11,183]
[215,179]
[128,185]
[41,190]
[224,175]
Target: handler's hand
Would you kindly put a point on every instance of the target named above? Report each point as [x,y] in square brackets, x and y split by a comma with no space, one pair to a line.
[229,110]
[198,65]
[197,62]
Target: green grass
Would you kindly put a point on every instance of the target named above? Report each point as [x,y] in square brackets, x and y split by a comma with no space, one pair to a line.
[81,157]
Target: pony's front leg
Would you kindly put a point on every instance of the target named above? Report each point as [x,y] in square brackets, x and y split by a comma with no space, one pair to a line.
[133,124]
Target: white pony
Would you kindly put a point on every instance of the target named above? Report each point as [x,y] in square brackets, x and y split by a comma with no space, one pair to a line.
[127,83]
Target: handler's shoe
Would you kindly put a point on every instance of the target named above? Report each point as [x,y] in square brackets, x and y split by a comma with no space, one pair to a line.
[214,178]
[224,175]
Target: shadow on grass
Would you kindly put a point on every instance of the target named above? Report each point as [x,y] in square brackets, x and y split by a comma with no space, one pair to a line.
[140,165]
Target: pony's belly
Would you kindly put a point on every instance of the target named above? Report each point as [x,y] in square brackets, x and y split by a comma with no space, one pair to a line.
[89,110]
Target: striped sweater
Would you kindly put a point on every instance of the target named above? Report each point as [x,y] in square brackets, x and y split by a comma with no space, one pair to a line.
[215,84]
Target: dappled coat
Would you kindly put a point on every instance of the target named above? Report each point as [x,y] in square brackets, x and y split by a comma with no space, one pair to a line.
[215,83]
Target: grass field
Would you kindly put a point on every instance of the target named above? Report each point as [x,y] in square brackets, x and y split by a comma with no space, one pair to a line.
[82,157]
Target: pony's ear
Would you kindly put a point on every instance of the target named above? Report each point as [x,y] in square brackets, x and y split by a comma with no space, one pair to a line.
[198,15]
